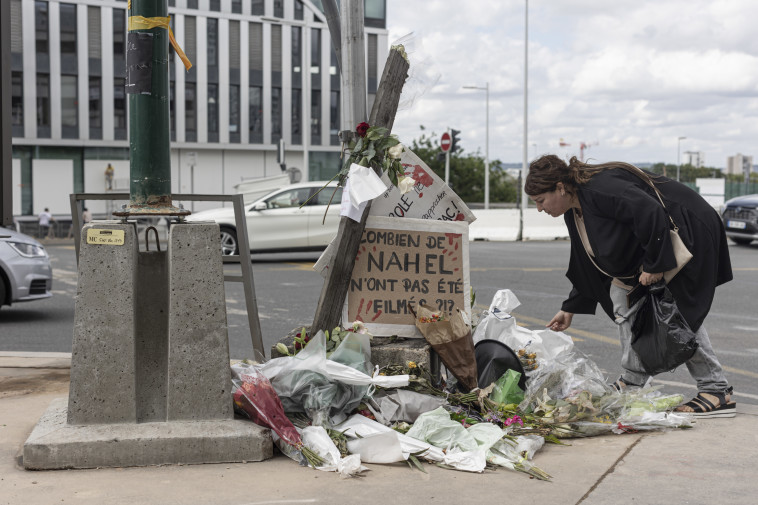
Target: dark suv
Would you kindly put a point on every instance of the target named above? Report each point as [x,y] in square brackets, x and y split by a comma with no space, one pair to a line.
[741,219]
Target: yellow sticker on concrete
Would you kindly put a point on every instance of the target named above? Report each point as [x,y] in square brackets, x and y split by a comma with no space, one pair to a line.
[99,236]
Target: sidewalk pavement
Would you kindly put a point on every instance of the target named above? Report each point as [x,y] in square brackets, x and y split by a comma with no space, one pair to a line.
[713,463]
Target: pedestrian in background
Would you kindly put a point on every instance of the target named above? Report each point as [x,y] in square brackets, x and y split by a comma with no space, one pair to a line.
[617,223]
[86,215]
[45,218]
[109,171]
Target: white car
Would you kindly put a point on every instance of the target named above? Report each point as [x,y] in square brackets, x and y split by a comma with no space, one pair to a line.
[25,272]
[276,222]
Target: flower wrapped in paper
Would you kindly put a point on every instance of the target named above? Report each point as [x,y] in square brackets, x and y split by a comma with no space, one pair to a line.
[450,337]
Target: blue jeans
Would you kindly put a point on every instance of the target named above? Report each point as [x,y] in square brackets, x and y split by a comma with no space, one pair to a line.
[704,367]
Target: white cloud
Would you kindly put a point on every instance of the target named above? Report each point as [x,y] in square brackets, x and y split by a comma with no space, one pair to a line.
[628,75]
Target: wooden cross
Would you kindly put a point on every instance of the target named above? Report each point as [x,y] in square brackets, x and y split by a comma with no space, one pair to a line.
[334,291]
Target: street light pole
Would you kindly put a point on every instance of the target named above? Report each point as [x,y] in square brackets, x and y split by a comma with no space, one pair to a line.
[524,164]
[486,89]
[678,151]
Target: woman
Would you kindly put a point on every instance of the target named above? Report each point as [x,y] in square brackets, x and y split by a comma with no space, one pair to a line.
[619,234]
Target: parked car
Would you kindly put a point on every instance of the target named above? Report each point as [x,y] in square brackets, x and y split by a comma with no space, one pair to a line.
[740,217]
[276,222]
[25,272]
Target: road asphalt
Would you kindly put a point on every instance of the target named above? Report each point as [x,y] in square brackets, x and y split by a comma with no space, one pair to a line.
[713,463]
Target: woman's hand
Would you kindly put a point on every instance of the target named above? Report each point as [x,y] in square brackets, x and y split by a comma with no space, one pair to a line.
[561,321]
[647,279]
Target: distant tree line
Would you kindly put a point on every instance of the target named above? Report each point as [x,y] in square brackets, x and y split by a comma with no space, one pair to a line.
[466,171]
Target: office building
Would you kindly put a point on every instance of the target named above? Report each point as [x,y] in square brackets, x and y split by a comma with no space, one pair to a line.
[263,70]
[739,164]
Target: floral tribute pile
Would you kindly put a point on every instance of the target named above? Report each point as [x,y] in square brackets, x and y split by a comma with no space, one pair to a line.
[347,412]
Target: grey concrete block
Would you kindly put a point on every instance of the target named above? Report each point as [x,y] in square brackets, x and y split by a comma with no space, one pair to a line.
[151,335]
[54,444]
[103,358]
[199,379]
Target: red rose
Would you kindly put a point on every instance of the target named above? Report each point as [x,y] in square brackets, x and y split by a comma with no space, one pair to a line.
[361,129]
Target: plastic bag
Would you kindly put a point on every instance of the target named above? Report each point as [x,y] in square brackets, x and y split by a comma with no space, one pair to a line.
[326,389]
[438,429]
[255,398]
[317,439]
[660,336]
[357,426]
[571,376]
[498,324]
[506,388]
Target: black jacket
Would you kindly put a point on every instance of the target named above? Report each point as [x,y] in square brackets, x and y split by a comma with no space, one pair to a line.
[627,227]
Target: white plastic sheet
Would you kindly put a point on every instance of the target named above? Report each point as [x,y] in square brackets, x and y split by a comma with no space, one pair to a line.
[500,325]
[317,439]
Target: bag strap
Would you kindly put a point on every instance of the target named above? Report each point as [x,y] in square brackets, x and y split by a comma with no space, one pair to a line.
[642,175]
[588,248]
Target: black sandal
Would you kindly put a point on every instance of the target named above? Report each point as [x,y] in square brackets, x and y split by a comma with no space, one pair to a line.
[703,408]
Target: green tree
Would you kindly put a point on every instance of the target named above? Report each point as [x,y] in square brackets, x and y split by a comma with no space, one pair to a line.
[466,171]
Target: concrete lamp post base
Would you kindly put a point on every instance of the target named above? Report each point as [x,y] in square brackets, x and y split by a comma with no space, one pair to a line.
[150,376]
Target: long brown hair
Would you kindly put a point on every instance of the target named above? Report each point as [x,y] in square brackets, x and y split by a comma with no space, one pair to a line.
[547,171]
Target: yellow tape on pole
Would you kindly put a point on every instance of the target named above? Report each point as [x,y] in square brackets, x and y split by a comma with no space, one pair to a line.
[143,23]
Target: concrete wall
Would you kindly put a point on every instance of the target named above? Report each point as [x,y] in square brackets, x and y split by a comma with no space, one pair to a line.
[503,225]
[52,182]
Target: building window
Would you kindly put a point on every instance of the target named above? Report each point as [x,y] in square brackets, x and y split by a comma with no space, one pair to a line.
[41,28]
[276,83]
[215,5]
[278,8]
[375,13]
[95,108]
[69,107]
[297,84]
[190,112]
[255,96]
[212,112]
[94,53]
[192,4]
[257,7]
[316,57]
[299,10]
[17,103]
[119,38]
[119,108]
[255,91]
[234,81]
[43,105]
[316,116]
[237,6]
[68,38]
[297,117]
[334,118]
[276,114]
[234,113]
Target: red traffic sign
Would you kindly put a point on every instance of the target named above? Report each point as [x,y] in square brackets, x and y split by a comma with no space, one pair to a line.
[445,142]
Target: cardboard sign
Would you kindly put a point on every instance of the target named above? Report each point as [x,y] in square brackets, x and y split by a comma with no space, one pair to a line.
[99,236]
[430,198]
[404,262]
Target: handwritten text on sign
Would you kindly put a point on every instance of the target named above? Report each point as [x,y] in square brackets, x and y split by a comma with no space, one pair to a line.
[396,269]
[105,237]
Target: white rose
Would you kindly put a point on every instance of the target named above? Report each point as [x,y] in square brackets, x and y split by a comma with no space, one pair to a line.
[395,151]
[405,185]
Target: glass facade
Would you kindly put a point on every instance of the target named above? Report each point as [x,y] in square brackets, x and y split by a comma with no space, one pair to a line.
[267,76]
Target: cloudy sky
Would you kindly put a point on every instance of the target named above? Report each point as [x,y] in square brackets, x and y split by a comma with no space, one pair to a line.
[626,77]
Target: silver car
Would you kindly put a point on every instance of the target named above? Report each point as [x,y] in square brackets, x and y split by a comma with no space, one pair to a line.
[291,218]
[25,272]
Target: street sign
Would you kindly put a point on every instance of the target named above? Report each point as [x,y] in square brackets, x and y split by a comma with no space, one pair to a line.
[445,142]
